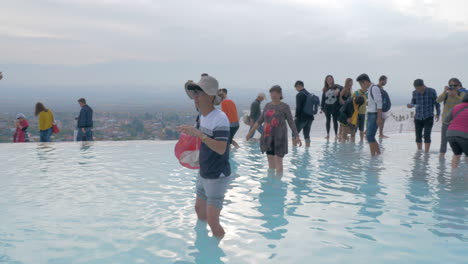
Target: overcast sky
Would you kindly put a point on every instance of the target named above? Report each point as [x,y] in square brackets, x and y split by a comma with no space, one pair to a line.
[245,44]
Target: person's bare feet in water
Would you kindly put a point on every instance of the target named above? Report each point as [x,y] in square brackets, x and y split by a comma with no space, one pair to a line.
[383,136]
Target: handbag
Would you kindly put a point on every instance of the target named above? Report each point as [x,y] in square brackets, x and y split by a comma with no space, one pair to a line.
[187,151]
[55,129]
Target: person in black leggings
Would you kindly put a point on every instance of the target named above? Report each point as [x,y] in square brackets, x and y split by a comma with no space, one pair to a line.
[331,103]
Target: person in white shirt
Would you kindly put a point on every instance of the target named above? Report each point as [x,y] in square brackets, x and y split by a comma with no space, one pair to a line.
[215,169]
[374,112]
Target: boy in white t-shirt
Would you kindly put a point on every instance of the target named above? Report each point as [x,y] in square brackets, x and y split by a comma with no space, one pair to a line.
[213,178]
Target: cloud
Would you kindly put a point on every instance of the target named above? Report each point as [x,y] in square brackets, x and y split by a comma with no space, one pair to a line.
[249,43]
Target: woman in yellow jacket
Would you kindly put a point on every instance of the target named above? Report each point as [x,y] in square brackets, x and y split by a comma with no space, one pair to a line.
[46,121]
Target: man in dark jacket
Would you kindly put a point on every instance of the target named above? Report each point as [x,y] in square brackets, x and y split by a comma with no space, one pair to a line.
[85,122]
[256,112]
[303,120]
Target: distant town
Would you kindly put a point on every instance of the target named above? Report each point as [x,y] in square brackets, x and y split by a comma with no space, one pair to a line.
[109,126]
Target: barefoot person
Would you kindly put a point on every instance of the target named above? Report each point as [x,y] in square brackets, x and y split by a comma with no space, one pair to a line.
[457,132]
[255,112]
[374,111]
[85,122]
[424,100]
[274,139]
[348,118]
[229,108]
[382,82]
[330,104]
[362,111]
[215,170]
[45,121]
[451,96]
[303,117]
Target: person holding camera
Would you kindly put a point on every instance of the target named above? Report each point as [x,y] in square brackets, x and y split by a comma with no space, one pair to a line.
[451,96]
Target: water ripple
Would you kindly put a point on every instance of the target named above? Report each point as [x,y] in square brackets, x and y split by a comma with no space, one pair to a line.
[131,202]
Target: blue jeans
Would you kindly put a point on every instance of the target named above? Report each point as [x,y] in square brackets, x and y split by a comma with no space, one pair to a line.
[86,136]
[371,127]
[45,135]
[259,129]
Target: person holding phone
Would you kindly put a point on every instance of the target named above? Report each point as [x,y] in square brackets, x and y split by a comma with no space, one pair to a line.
[424,100]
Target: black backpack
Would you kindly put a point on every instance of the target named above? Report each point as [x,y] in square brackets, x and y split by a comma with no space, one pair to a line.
[386,103]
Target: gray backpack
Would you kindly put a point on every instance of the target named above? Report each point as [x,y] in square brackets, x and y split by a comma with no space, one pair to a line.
[312,104]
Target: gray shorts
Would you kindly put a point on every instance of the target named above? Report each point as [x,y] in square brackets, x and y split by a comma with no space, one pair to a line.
[212,190]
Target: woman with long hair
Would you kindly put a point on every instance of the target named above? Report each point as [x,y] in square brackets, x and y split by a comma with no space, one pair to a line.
[347,91]
[274,140]
[331,103]
[45,120]
[451,96]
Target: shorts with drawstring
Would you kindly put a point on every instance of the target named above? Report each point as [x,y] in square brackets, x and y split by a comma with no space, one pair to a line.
[212,190]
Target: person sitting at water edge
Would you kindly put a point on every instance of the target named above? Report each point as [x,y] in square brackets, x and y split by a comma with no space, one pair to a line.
[424,100]
[21,133]
[215,170]
[274,140]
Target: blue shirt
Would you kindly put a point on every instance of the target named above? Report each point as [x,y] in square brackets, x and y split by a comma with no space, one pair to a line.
[425,103]
[216,126]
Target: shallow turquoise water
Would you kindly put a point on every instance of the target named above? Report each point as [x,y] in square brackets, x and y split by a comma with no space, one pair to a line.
[130,202]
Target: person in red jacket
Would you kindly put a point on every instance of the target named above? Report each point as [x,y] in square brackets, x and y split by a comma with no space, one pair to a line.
[21,134]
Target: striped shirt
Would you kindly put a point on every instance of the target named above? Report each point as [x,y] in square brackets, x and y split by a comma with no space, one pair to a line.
[425,103]
[216,126]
